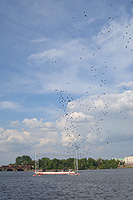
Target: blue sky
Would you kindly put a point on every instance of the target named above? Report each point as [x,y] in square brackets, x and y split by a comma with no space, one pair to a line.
[57,49]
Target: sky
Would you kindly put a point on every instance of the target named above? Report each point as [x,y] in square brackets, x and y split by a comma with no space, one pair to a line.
[66,78]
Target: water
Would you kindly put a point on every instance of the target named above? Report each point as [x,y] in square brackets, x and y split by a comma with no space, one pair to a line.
[114,184]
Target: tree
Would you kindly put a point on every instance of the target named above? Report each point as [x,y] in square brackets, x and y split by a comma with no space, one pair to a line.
[91,163]
[70,163]
[55,163]
[82,163]
[18,160]
[45,163]
[24,160]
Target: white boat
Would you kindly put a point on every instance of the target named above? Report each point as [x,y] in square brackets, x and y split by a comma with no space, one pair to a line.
[57,173]
[40,172]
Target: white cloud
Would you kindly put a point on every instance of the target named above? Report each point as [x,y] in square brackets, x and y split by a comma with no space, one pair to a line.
[92,121]
[102,118]
[72,60]
[12,135]
[50,140]
[47,55]
[77,116]
[91,20]
[14,123]
[9,105]
[34,136]
[34,123]
[40,40]
[126,84]
[1,129]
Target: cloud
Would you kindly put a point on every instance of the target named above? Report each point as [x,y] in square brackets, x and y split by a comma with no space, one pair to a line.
[129,84]
[40,40]
[102,118]
[68,59]
[1,129]
[34,136]
[89,124]
[9,105]
[91,20]
[34,123]
[11,136]
[80,62]
[47,55]
[14,123]
[43,133]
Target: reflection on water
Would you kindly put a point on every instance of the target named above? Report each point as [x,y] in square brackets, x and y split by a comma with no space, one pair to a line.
[114,184]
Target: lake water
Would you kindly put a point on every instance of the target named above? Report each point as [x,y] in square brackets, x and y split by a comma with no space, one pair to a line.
[114,184]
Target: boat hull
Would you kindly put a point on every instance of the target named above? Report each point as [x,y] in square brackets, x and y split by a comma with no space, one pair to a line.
[55,173]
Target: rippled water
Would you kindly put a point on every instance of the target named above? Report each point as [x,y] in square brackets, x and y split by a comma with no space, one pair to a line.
[114,184]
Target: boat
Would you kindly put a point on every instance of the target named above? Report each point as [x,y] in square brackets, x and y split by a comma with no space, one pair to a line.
[63,171]
[57,173]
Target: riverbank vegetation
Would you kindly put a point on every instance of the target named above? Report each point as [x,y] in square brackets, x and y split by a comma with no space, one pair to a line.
[83,163]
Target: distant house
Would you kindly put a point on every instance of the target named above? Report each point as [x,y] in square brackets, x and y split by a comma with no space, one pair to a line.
[128,160]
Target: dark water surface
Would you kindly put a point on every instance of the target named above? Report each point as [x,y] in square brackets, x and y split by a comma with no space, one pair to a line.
[92,184]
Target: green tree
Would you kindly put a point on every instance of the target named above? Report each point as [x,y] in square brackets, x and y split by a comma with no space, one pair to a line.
[18,160]
[99,162]
[24,160]
[55,163]
[82,163]
[91,163]
[70,163]
[102,166]
[44,163]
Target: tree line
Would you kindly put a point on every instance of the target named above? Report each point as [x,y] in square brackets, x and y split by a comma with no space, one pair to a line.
[83,163]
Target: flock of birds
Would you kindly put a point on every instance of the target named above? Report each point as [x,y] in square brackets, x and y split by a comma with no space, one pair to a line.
[75,121]
[79,125]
